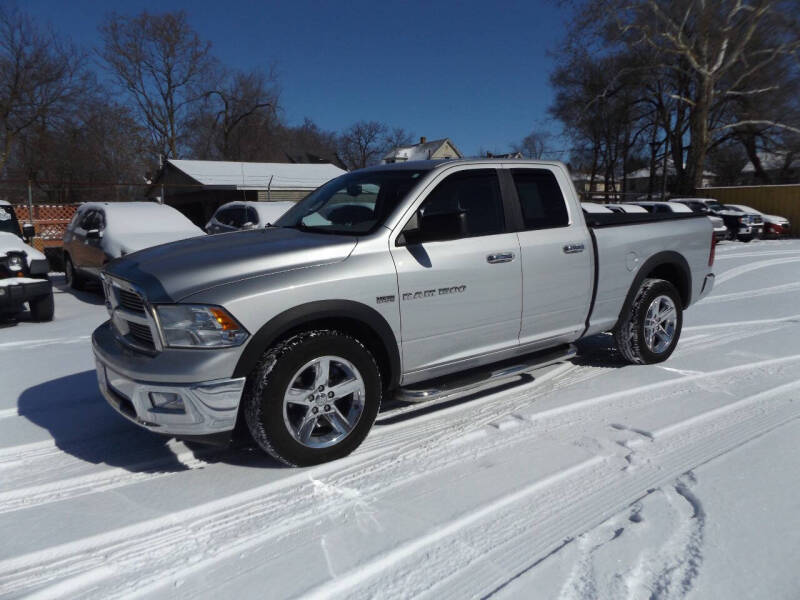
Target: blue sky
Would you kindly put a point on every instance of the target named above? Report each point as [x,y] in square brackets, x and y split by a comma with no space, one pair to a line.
[476,72]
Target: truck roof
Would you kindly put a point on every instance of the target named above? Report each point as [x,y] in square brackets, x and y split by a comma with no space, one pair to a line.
[437,164]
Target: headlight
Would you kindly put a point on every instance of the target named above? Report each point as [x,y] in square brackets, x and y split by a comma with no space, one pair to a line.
[15,262]
[198,326]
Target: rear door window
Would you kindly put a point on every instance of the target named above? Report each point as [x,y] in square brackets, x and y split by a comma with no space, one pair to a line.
[540,198]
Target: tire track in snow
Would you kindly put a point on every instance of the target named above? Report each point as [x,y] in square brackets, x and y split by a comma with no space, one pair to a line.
[749,294]
[248,519]
[753,266]
[476,556]
[37,343]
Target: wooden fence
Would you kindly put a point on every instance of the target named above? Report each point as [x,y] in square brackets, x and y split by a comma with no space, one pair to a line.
[781,200]
[50,221]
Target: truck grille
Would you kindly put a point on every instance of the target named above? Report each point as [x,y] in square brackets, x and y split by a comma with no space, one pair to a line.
[130,301]
[141,333]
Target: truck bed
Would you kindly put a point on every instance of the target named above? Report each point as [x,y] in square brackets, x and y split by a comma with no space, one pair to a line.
[625,242]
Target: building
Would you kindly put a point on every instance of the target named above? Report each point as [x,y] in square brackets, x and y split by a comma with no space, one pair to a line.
[425,150]
[780,167]
[198,187]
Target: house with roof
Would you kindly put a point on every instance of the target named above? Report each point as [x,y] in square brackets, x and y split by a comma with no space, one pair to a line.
[198,187]
[779,166]
[436,150]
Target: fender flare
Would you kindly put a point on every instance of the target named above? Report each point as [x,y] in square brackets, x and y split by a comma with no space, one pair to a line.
[295,317]
[667,257]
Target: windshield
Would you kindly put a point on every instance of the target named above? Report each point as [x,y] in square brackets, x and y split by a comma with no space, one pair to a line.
[733,208]
[353,204]
[8,220]
[715,206]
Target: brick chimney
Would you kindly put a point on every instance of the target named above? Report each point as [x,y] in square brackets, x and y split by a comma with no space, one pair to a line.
[422,140]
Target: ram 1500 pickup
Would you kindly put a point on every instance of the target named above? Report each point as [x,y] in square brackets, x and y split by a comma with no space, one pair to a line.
[413,280]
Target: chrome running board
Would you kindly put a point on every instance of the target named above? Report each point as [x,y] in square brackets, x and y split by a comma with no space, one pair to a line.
[497,373]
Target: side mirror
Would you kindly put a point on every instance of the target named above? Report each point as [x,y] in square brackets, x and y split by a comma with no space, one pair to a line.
[28,230]
[93,234]
[436,228]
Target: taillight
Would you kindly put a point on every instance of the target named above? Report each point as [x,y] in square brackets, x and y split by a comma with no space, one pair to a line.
[712,250]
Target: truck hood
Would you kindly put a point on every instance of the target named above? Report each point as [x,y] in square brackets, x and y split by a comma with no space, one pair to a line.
[171,272]
[11,243]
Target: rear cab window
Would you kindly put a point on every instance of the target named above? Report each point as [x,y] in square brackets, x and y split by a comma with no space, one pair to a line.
[540,197]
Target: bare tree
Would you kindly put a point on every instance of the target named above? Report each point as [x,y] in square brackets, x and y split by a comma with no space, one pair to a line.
[397,137]
[228,124]
[363,143]
[40,76]
[161,62]
[532,145]
[713,46]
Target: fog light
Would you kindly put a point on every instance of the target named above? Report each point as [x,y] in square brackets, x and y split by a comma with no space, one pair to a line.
[167,401]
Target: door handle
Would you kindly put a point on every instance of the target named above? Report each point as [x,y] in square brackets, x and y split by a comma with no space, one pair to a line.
[573,248]
[500,257]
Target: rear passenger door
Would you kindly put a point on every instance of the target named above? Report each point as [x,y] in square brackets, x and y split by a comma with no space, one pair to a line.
[557,259]
[459,297]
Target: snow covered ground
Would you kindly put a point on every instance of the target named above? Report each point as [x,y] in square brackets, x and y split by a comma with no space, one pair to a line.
[595,479]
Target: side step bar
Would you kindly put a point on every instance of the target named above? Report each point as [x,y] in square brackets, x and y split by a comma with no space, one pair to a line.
[496,373]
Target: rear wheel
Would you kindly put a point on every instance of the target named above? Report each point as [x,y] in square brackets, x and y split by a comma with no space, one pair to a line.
[649,332]
[74,280]
[43,308]
[313,397]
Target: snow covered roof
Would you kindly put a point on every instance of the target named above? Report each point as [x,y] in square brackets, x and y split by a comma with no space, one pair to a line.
[423,151]
[256,176]
[771,161]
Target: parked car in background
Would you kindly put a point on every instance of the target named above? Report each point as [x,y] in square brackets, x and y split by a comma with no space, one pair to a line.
[102,231]
[739,226]
[594,207]
[626,208]
[23,270]
[773,224]
[662,207]
[235,216]
[721,231]
[751,224]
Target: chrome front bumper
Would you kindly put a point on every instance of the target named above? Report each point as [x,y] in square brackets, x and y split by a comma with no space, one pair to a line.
[209,407]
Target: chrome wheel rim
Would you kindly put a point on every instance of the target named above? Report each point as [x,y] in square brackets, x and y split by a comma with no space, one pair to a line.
[660,323]
[324,401]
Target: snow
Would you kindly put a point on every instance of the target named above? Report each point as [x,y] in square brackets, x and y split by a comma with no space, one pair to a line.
[595,479]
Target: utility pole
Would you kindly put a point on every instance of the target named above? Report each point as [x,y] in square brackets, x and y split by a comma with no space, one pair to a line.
[30,201]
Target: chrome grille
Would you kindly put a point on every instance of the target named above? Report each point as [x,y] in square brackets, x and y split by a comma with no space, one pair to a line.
[141,333]
[130,301]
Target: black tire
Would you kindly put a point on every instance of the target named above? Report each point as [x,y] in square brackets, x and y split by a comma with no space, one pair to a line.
[43,308]
[266,385]
[630,331]
[73,278]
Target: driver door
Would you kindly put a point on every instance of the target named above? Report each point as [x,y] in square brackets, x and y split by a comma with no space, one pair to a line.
[460,298]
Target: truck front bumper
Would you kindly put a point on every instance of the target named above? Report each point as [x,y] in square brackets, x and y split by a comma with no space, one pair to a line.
[14,292]
[137,387]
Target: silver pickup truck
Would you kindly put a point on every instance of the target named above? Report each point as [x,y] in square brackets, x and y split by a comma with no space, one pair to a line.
[413,280]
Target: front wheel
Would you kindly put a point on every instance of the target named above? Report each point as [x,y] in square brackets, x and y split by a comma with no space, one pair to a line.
[43,308]
[313,397]
[649,332]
